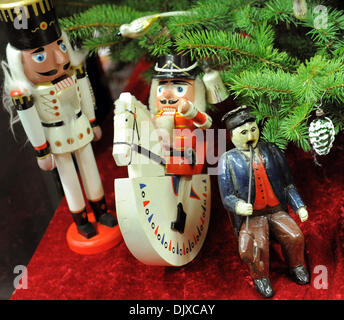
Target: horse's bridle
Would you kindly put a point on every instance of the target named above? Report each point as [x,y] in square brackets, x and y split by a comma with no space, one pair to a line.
[138,148]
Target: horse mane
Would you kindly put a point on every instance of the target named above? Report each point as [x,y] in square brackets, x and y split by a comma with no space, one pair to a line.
[144,109]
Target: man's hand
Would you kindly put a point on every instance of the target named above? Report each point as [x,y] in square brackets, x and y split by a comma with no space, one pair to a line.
[97,133]
[183,106]
[47,163]
[244,209]
[302,213]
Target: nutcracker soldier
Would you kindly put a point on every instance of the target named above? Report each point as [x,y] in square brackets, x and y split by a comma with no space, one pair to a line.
[177,223]
[255,182]
[178,102]
[45,81]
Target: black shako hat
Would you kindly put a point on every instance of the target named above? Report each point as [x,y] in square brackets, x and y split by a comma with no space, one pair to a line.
[237,117]
[29,24]
[171,66]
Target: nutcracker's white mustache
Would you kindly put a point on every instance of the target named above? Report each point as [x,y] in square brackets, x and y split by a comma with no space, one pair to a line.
[170,102]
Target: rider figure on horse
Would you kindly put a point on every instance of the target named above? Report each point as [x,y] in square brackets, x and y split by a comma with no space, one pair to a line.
[178,100]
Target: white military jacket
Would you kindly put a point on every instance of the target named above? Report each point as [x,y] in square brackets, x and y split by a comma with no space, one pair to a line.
[59,115]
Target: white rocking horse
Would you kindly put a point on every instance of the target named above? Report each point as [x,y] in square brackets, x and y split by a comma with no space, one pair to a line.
[163,219]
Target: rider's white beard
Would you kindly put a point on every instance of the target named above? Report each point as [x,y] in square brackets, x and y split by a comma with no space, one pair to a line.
[165,125]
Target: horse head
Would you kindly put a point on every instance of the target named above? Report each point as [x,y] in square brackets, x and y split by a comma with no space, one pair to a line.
[134,130]
[124,129]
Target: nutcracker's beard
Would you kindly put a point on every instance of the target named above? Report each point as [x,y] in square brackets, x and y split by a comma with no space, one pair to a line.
[165,126]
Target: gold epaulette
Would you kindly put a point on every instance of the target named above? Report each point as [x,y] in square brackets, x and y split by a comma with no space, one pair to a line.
[80,71]
[21,101]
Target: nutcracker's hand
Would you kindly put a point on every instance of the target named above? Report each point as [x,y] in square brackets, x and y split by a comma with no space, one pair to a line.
[47,163]
[97,133]
[244,209]
[183,106]
[302,213]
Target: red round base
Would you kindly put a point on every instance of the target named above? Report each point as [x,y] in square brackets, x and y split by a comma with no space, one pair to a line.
[105,238]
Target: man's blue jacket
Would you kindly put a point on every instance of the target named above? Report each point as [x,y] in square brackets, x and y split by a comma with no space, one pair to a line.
[233,179]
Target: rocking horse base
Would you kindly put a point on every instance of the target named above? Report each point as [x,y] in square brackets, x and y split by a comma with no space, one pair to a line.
[105,239]
[164,220]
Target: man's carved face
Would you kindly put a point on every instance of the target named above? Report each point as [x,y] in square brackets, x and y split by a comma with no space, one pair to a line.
[46,63]
[171,92]
[245,134]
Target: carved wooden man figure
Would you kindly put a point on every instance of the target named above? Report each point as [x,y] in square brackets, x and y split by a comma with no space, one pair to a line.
[272,189]
[51,92]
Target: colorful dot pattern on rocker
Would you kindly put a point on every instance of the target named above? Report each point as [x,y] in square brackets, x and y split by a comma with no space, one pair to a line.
[189,240]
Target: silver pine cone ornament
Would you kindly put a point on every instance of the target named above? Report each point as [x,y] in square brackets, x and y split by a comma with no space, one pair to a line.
[321,134]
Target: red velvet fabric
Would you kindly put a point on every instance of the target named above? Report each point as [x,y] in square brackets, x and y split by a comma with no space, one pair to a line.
[55,272]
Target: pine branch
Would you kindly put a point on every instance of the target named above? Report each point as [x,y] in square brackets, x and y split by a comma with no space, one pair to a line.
[326,33]
[294,126]
[159,6]
[316,76]
[207,14]
[244,40]
[279,11]
[104,19]
[269,83]
[93,25]
[95,43]
[271,132]
[157,42]
[226,46]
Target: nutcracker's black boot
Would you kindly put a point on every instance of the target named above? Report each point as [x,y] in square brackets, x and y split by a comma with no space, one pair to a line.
[300,274]
[190,155]
[264,287]
[101,213]
[85,228]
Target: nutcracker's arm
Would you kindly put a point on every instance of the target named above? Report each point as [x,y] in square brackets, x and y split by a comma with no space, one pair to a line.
[86,94]
[201,119]
[31,122]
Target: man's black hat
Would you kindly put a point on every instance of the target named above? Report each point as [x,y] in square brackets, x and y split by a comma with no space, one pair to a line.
[171,66]
[238,117]
[29,24]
